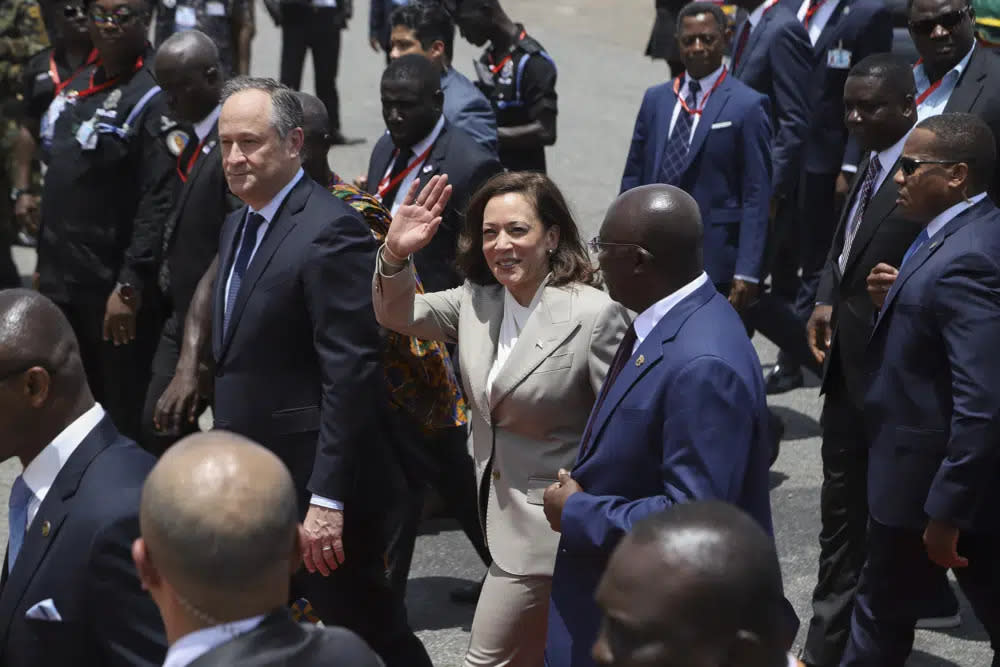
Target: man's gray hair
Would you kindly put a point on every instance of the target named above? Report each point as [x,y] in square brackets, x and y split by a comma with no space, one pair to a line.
[286,110]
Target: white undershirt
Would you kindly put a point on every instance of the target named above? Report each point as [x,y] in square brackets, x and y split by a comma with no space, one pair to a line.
[649,318]
[515,316]
[706,84]
[819,19]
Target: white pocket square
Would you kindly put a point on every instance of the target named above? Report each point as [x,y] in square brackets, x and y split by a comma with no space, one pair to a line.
[44,611]
[719,126]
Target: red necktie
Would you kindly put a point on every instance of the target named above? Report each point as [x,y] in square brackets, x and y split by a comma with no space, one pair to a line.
[741,43]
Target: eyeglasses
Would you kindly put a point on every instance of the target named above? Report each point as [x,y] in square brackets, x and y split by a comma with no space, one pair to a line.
[596,245]
[120,16]
[947,21]
[74,12]
[910,164]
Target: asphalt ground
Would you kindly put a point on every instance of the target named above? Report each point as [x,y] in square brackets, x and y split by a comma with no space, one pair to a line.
[598,46]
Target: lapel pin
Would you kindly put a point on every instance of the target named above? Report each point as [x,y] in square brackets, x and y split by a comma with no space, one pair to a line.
[428,167]
[46,528]
[640,361]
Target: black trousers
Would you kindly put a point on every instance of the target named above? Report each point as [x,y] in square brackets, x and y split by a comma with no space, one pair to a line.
[817,223]
[316,28]
[844,532]
[164,362]
[118,376]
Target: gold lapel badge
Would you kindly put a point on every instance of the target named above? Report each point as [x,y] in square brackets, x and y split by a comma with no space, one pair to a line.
[640,361]
[46,528]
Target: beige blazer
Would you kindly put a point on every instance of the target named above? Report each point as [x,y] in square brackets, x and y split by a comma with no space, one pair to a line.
[534,420]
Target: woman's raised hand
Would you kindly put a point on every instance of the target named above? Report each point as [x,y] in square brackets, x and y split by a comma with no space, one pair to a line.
[417,219]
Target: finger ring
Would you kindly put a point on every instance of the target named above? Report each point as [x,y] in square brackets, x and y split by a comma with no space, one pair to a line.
[328,548]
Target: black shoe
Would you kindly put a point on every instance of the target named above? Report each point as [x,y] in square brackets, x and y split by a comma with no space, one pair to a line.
[468,594]
[783,378]
[338,139]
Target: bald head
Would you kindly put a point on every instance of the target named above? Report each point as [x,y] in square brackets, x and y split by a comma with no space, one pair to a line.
[219,519]
[316,120]
[188,69]
[34,331]
[190,48]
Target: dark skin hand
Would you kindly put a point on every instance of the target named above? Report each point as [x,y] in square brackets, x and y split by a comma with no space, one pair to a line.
[941,542]
[880,281]
[843,187]
[541,131]
[555,497]
[119,319]
[743,294]
[819,330]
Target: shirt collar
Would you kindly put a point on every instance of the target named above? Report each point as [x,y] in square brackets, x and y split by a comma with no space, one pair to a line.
[888,157]
[204,126]
[949,214]
[923,81]
[425,143]
[193,645]
[41,473]
[521,313]
[271,208]
[649,318]
[757,14]
[706,82]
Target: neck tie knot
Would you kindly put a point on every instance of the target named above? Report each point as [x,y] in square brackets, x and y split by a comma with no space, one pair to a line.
[694,86]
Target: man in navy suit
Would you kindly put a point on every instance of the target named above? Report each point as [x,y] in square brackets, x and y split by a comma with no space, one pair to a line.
[69,592]
[681,416]
[710,135]
[933,401]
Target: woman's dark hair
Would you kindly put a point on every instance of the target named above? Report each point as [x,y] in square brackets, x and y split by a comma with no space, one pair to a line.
[570,263]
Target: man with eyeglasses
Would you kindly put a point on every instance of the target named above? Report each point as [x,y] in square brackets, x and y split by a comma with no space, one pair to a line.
[108,190]
[954,73]
[933,397]
[70,593]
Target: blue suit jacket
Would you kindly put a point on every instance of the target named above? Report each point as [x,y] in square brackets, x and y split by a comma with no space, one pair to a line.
[685,420]
[778,62]
[466,107]
[728,171]
[933,406]
[78,553]
[862,27]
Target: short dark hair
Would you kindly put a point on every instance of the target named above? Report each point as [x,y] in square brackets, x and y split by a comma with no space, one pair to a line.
[695,8]
[889,69]
[286,109]
[570,263]
[965,137]
[414,67]
[429,22]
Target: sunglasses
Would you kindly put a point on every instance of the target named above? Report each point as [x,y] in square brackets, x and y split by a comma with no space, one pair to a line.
[909,165]
[120,16]
[947,21]
[596,245]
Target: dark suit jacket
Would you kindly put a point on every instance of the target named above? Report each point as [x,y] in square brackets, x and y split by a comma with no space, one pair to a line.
[279,640]
[78,553]
[728,171]
[778,62]
[883,236]
[299,368]
[468,166]
[932,407]
[978,92]
[862,27]
[191,235]
[685,420]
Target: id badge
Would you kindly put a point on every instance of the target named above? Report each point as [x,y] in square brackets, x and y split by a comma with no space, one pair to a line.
[50,117]
[838,58]
[215,8]
[185,18]
[86,135]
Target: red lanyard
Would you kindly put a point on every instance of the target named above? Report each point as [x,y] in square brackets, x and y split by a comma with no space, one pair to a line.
[54,71]
[183,173]
[386,185]
[107,84]
[811,11]
[506,59]
[704,100]
[930,89]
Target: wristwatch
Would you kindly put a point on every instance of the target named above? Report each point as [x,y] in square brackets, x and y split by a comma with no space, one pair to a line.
[127,293]
[15,193]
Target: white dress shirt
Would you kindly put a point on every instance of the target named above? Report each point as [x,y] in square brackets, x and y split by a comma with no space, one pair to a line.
[936,102]
[649,318]
[204,126]
[819,19]
[515,316]
[41,473]
[193,645]
[418,150]
[949,214]
[706,84]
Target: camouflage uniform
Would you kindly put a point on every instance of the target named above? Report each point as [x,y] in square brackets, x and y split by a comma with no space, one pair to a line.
[22,35]
[212,17]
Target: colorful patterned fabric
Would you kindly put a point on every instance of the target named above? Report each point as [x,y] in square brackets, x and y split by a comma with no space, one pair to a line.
[419,373]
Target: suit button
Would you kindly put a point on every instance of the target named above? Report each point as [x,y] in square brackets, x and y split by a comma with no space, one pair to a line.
[496,475]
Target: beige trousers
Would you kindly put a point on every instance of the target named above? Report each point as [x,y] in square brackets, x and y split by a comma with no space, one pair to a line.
[511,620]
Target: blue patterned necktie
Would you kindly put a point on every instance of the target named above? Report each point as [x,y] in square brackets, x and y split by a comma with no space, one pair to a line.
[675,154]
[921,239]
[247,244]
[17,518]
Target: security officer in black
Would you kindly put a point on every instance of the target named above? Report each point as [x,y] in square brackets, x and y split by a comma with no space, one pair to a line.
[109,187]
[518,77]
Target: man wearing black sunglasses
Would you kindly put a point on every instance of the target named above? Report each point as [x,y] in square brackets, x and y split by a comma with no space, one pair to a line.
[954,74]
[933,397]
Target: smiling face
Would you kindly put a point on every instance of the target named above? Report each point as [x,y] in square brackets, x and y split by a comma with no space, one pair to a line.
[516,244]
[118,29]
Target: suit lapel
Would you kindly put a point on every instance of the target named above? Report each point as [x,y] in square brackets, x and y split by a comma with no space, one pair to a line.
[830,29]
[755,37]
[713,107]
[970,85]
[487,304]
[435,161]
[211,143]
[883,203]
[547,327]
[49,519]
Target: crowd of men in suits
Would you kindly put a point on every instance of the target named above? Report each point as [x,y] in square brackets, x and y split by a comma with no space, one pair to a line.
[196,247]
